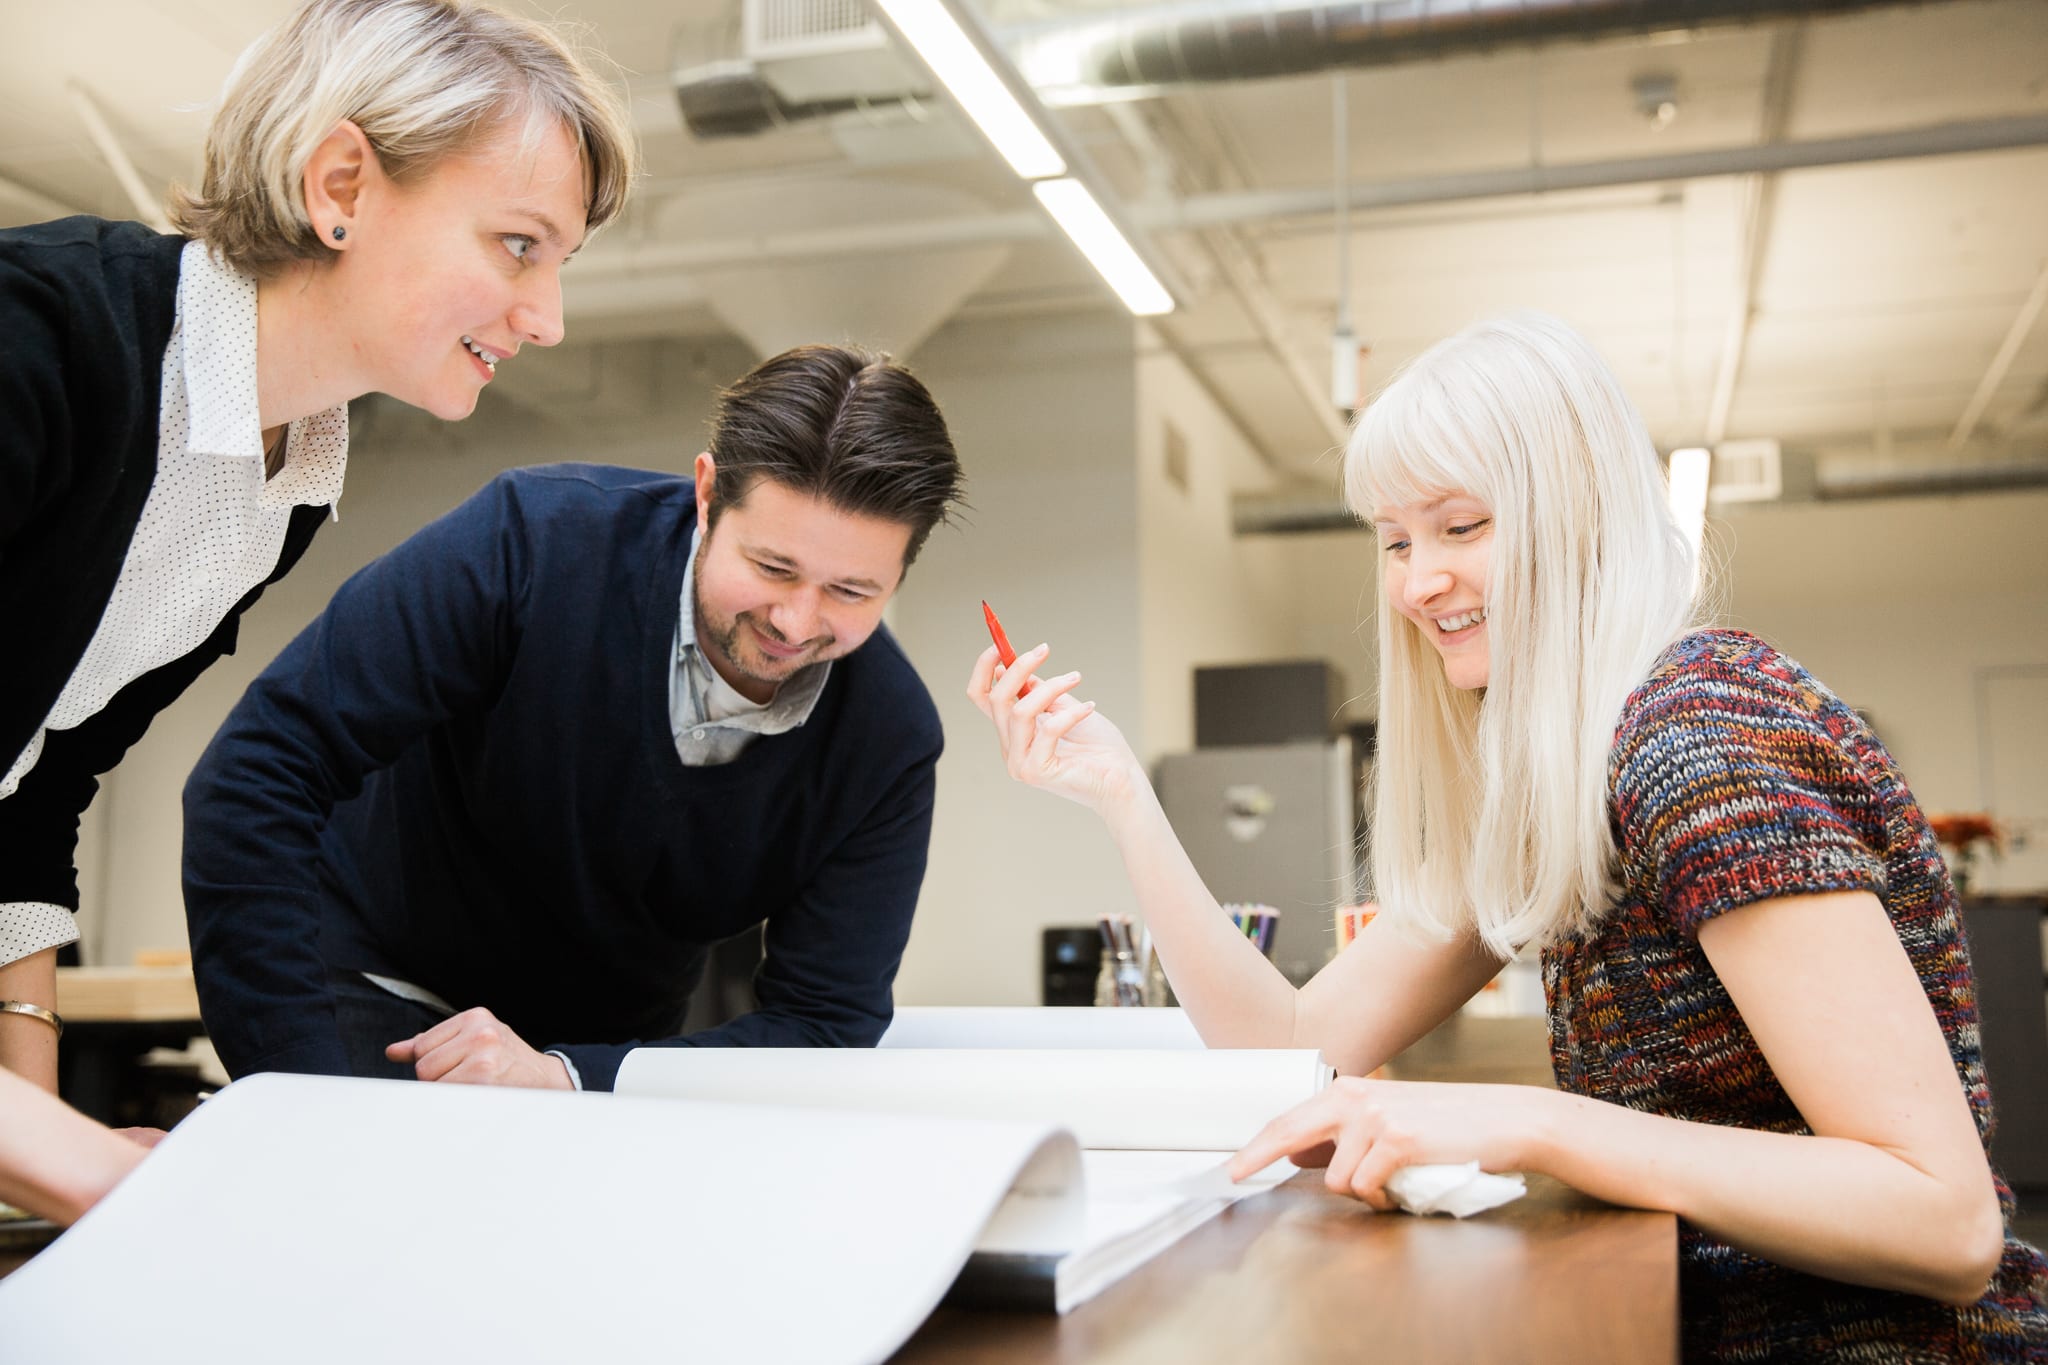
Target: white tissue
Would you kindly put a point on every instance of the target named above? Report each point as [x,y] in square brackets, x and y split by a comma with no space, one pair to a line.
[1460,1191]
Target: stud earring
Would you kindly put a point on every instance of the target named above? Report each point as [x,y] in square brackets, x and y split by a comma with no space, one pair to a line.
[339,232]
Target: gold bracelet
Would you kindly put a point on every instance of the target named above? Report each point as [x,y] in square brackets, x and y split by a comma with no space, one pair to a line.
[49,1017]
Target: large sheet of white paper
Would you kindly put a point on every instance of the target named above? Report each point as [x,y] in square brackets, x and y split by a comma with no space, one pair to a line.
[317,1220]
[1157,1100]
[1139,1203]
[1460,1190]
[1053,1026]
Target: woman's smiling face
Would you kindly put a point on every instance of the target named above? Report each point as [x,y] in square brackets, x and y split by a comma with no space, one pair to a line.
[447,276]
[1437,554]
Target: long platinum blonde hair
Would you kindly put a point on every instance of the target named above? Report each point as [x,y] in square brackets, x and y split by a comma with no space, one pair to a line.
[1489,810]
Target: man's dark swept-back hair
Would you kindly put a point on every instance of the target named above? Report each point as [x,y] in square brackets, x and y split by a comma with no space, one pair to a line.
[847,427]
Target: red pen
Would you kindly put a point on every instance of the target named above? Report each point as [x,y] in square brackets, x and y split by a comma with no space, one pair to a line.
[1003,650]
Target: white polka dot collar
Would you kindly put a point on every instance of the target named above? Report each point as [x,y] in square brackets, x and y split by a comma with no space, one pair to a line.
[217,325]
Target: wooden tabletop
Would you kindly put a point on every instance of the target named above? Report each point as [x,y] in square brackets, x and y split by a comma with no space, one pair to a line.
[1302,1276]
[126,994]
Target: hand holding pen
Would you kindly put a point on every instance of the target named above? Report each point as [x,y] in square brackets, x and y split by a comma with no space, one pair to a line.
[1004,653]
[1048,739]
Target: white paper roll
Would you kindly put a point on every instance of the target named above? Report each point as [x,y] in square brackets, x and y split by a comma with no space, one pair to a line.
[1029,1026]
[1143,1100]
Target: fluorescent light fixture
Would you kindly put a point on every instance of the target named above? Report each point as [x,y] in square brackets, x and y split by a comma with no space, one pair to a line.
[1082,219]
[1690,468]
[950,53]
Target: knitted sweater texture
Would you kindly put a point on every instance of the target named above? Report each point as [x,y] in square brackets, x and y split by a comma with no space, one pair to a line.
[1736,777]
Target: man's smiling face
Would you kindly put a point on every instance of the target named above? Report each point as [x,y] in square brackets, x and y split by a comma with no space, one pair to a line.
[785,580]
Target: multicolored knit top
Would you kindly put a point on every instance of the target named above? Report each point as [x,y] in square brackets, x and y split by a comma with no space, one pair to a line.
[1736,777]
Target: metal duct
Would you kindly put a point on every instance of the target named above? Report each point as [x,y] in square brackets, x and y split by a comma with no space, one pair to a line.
[1928,480]
[1092,58]
[731,99]
[1126,52]
[1294,512]
[1305,510]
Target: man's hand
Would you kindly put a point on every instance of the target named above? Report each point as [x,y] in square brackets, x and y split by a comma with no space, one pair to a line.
[474,1048]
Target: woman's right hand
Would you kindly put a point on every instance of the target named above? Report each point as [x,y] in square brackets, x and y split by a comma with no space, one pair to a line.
[1050,740]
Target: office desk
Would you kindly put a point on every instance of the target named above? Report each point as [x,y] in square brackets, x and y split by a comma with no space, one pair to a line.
[127,995]
[1301,1276]
[112,1017]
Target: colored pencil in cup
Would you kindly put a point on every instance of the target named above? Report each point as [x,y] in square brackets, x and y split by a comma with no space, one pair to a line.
[1351,919]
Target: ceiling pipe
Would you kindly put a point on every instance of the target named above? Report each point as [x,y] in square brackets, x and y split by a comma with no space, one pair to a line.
[1939,139]
[1122,54]
[1215,210]
[1305,510]
[1261,310]
[1760,203]
[1931,480]
[1292,511]
[2015,335]
[730,98]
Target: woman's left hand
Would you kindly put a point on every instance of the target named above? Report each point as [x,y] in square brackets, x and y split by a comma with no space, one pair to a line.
[1363,1131]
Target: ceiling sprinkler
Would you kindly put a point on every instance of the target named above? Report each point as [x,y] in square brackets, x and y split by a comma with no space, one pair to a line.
[1656,95]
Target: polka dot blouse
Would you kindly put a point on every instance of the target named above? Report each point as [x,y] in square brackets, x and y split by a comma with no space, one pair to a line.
[211,530]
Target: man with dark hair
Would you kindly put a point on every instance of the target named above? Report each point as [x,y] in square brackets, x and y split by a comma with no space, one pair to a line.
[527,767]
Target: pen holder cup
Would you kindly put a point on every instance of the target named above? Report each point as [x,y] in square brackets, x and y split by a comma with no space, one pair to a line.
[1158,990]
[1121,982]
[1351,921]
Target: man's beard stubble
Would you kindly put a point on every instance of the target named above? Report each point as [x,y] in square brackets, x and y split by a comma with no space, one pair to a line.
[724,636]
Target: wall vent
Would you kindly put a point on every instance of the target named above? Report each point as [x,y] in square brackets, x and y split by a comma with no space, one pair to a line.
[1747,471]
[823,50]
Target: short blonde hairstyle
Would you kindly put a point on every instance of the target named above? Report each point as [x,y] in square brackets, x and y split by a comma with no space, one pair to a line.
[1490,813]
[423,79]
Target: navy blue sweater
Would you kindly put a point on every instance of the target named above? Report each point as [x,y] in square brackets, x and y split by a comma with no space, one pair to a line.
[462,775]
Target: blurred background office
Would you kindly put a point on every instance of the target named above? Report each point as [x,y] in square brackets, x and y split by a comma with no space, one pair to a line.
[1811,236]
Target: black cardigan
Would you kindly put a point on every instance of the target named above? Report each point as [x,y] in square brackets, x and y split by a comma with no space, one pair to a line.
[86,311]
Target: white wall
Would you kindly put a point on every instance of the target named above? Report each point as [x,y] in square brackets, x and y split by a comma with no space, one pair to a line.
[1335,577]
[1043,412]
[1899,606]
[1206,596]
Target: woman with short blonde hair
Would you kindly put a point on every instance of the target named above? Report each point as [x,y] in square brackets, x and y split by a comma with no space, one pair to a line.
[423,80]
[391,190]
[1760,1005]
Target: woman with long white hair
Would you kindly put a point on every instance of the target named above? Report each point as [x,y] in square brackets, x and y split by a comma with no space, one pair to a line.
[391,189]
[1761,1010]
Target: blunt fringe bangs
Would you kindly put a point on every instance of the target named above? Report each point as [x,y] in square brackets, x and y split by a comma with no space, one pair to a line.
[1489,808]
[423,79]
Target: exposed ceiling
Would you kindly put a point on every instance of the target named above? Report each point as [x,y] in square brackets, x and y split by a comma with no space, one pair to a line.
[1879,294]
